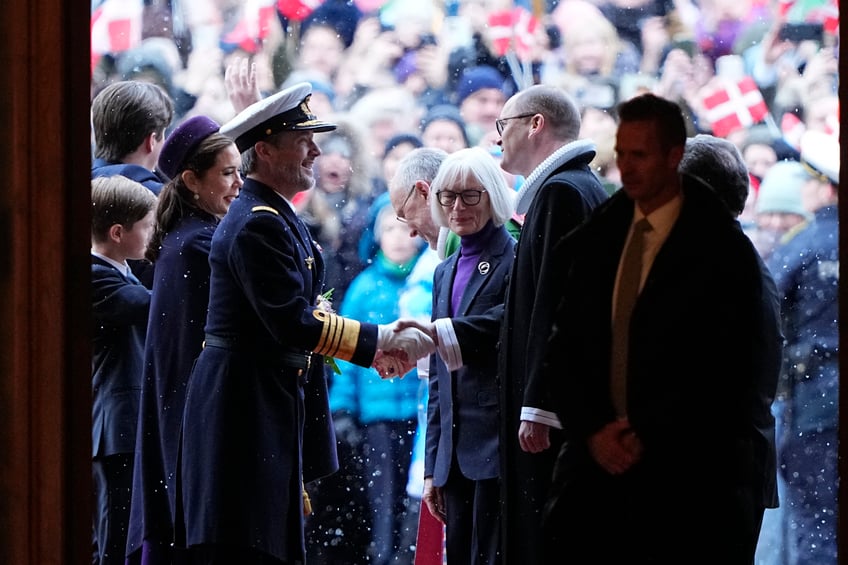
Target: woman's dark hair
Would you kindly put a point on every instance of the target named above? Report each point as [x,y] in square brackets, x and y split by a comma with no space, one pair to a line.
[176,201]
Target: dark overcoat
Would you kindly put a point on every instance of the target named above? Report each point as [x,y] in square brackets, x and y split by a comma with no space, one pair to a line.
[174,340]
[704,352]
[563,202]
[149,179]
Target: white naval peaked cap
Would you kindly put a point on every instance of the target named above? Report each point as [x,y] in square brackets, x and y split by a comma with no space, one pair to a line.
[287,110]
[820,154]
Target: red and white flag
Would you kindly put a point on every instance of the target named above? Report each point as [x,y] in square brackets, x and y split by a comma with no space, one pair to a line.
[513,30]
[253,25]
[792,129]
[733,105]
[115,27]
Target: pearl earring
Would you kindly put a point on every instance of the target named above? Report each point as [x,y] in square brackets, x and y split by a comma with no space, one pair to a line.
[196,196]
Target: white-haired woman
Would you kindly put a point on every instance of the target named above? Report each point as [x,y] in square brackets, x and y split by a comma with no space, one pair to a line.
[461,465]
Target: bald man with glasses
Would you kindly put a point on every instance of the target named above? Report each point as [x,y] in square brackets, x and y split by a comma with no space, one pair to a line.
[538,131]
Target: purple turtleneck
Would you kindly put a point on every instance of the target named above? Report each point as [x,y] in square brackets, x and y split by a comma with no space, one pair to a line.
[470,248]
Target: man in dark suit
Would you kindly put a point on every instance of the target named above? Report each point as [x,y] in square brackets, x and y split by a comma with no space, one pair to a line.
[257,422]
[129,119]
[664,397]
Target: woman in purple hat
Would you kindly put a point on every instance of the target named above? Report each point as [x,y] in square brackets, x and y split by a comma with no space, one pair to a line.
[203,166]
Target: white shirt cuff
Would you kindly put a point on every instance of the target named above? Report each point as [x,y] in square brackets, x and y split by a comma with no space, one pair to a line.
[540,416]
[448,345]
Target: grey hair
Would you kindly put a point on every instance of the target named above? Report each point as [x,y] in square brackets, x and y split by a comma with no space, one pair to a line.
[419,164]
[718,163]
[478,164]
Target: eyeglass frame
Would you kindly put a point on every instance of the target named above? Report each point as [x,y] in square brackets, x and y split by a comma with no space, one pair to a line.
[500,124]
[398,217]
[461,195]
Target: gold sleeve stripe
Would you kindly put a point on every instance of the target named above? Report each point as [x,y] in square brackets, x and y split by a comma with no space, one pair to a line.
[339,336]
[264,209]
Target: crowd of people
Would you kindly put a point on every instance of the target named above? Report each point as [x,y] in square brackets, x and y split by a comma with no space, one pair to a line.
[365,287]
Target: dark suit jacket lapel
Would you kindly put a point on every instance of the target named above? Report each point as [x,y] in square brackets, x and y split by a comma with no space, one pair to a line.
[442,306]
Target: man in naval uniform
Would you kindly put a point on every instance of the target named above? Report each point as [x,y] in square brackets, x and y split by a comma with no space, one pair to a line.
[257,423]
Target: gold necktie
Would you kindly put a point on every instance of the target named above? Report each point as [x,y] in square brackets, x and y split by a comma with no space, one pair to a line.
[628,290]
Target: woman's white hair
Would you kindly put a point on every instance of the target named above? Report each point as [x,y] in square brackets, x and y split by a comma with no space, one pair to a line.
[464,167]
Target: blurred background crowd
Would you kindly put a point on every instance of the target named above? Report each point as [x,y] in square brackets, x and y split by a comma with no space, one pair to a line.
[758,72]
[401,74]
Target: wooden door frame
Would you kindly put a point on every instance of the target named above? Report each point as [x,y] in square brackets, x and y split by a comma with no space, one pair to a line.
[45,387]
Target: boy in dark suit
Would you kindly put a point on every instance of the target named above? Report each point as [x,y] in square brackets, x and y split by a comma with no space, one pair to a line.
[121,227]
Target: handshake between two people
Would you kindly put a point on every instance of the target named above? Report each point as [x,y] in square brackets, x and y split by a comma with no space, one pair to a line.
[401,344]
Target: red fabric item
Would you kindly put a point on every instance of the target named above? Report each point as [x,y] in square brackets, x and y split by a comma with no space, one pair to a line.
[734,105]
[755,183]
[430,545]
[297,10]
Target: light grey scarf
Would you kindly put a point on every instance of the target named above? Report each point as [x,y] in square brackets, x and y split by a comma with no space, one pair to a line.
[555,160]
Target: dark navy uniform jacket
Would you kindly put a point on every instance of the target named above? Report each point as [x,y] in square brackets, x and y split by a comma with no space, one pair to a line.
[174,340]
[119,310]
[256,424]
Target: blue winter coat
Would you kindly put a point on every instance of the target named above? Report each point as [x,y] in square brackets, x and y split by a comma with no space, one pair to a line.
[373,297]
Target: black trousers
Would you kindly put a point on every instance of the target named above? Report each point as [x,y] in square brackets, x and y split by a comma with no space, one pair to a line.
[113,478]
[472,532]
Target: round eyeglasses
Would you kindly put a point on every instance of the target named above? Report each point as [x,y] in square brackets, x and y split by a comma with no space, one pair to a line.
[470,197]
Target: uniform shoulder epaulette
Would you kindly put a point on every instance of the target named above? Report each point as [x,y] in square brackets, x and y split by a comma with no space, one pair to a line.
[264,209]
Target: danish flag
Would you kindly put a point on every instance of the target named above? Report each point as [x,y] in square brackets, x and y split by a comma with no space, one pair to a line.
[253,27]
[115,27]
[733,105]
[513,30]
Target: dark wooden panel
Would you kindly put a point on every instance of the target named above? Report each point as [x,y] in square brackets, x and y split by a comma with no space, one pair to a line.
[44,363]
